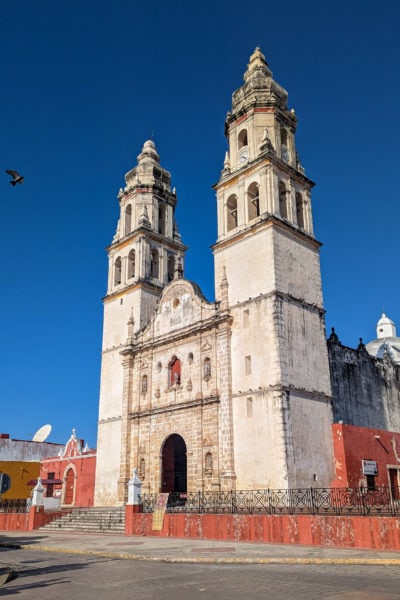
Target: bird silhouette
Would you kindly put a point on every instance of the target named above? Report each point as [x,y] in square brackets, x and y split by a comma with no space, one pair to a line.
[17,178]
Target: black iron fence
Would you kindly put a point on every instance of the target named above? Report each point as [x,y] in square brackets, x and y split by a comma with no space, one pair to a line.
[14,506]
[384,501]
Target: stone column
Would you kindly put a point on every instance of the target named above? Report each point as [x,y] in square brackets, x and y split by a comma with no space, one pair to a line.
[127,365]
[227,473]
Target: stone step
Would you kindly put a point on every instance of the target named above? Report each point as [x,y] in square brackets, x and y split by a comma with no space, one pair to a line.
[94,520]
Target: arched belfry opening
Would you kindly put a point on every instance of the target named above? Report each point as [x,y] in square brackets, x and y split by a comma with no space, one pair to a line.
[174,464]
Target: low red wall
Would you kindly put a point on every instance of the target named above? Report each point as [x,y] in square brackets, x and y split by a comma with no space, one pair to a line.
[380,533]
[14,521]
[27,521]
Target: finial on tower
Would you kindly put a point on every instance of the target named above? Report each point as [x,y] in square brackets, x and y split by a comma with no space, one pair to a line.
[257,65]
[144,219]
[131,328]
[149,153]
[224,285]
[227,162]
[266,143]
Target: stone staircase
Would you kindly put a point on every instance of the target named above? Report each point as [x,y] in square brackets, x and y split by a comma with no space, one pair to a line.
[90,520]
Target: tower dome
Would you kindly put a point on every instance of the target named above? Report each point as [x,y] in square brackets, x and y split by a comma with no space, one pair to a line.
[387,341]
[385,327]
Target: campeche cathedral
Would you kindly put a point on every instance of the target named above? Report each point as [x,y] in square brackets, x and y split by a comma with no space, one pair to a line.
[240,393]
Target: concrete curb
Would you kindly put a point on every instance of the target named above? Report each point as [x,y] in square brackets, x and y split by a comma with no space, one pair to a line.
[211,560]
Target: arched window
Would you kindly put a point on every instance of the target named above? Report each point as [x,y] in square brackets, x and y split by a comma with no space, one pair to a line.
[117,271]
[131,264]
[207,368]
[128,219]
[231,213]
[144,384]
[283,200]
[300,210]
[253,201]
[161,219]
[242,139]
[154,264]
[171,267]
[174,371]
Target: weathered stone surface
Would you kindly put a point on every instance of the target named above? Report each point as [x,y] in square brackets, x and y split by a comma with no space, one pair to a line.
[365,389]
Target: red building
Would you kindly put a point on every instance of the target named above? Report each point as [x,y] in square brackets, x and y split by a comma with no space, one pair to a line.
[366,458]
[69,477]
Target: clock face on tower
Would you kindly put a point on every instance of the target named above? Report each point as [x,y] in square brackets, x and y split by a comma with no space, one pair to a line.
[243,154]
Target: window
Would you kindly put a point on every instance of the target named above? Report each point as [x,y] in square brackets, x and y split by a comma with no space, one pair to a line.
[190,358]
[370,482]
[174,371]
[253,202]
[284,137]
[231,213]
[299,210]
[161,219]
[144,384]
[128,219]
[282,200]
[247,365]
[207,368]
[117,271]
[246,315]
[171,267]
[131,264]
[208,464]
[284,145]
[242,139]
[394,483]
[50,486]
[154,264]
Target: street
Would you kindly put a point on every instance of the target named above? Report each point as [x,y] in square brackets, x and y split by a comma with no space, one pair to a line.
[52,575]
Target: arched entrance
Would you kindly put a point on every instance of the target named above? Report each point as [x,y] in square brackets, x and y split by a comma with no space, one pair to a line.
[174,465]
[69,487]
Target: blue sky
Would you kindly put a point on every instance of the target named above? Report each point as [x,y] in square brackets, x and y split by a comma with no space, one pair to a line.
[84,84]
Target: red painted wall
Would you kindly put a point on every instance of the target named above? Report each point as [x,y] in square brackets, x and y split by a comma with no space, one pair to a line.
[380,533]
[27,521]
[354,444]
[84,467]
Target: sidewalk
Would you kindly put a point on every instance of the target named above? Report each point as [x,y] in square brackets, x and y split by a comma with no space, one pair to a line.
[190,551]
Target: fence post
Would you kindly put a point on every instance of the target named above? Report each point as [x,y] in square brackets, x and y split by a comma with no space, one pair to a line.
[313,512]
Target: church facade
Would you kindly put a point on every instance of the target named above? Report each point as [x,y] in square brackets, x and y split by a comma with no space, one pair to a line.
[233,394]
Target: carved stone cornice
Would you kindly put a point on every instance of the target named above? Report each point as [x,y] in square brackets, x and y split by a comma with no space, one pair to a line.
[265,221]
[142,414]
[220,319]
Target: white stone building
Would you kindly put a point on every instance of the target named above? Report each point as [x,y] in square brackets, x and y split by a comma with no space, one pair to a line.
[233,394]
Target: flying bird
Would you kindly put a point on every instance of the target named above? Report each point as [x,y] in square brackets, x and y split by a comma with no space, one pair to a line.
[17,178]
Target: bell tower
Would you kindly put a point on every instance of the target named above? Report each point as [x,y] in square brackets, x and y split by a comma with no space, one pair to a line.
[281,395]
[146,253]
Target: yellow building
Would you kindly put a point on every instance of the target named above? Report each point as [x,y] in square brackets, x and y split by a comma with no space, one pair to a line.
[20,461]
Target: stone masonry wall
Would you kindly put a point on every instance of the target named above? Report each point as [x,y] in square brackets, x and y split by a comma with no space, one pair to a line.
[366,390]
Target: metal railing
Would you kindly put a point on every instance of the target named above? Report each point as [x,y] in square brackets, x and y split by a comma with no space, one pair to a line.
[14,506]
[384,501]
